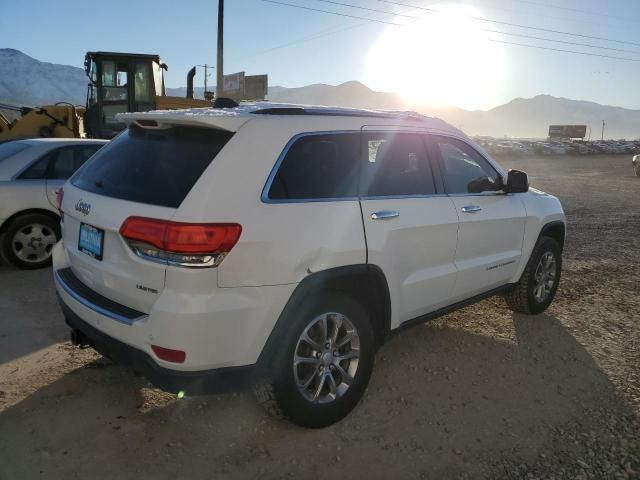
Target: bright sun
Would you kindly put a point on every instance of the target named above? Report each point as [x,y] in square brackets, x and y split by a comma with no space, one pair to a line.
[438,59]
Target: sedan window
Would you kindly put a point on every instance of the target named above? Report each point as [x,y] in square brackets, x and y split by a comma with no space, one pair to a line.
[8,149]
[37,170]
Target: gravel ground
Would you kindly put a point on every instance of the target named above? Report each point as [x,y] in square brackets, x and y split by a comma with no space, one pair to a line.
[481,393]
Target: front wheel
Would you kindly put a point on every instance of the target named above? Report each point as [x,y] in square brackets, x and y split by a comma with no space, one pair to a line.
[537,287]
[324,365]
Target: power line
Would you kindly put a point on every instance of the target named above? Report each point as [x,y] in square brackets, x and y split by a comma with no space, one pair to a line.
[322,33]
[577,44]
[302,7]
[515,10]
[481,19]
[565,51]
[333,2]
[490,31]
[576,10]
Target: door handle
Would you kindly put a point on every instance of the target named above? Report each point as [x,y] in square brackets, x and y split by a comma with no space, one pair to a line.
[471,208]
[384,215]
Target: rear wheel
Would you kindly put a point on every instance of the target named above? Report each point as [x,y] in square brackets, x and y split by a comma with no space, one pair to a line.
[539,282]
[324,365]
[29,240]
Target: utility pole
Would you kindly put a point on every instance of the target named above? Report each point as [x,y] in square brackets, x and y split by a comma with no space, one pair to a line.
[602,138]
[207,94]
[220,74]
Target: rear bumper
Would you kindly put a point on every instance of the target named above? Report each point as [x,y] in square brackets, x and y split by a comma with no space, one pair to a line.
[190,382]
[221,330]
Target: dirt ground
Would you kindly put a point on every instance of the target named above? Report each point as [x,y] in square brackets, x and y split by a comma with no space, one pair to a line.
[480,393]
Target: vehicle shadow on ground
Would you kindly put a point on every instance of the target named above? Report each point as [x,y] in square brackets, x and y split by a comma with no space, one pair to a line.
[442,402]
[30,319]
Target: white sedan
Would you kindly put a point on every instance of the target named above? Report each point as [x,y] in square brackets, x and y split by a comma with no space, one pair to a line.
[31,172]
[636,164]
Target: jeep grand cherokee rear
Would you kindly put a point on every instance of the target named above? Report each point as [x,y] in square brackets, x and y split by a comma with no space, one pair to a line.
[285,243]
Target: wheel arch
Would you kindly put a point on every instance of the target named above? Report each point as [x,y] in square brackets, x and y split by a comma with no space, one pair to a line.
[556,230]
[366,283]
[28,211]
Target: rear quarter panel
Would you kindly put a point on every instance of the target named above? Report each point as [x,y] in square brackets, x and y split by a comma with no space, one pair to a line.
[280,242]
[20,195]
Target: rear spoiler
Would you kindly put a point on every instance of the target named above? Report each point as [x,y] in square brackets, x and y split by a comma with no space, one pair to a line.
[198,117]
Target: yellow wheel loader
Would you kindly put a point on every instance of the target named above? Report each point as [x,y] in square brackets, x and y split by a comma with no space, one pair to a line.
[61,120]
[118,83]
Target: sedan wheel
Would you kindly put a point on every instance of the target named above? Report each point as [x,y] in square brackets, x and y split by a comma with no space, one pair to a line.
[28,240]
[33,243]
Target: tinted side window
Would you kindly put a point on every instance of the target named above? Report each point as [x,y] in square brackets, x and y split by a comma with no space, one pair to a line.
[37,170]
[397,165]
[62,164]
[462,165]
[318,166]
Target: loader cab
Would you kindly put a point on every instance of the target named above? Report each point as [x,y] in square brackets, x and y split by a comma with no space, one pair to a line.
[118,83]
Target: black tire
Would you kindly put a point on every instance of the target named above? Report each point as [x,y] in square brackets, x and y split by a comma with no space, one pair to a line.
[278,391]
[522,298]
[50,225]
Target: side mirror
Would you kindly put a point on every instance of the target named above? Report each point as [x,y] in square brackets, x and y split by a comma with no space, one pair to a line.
[517,182]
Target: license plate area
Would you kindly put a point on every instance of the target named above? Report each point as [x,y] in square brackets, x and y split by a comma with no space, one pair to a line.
[91,240]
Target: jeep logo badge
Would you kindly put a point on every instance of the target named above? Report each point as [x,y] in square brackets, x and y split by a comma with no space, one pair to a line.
[83,207]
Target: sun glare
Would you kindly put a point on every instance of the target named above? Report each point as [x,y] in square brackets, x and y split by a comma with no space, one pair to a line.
[438,59]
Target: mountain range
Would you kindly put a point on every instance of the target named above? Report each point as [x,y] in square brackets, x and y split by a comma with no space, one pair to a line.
[25,80]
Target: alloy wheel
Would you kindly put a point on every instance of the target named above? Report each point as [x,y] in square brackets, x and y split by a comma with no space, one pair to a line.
[545,277]
[326,358]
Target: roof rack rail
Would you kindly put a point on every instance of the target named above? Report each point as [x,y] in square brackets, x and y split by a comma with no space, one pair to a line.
[337,113]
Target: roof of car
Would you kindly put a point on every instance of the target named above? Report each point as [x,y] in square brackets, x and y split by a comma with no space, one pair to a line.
[233,118]
[41,141]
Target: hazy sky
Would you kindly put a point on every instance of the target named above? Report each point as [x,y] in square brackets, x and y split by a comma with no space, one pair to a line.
[438,58]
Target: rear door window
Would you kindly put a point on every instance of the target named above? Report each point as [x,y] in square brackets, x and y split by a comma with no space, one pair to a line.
[321,166]
[397,165]
[157,167]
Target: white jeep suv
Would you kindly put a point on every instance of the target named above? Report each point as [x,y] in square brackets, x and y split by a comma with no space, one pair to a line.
[281,244]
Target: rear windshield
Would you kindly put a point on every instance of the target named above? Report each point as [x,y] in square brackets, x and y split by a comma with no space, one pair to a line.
[9,149]
[157,167]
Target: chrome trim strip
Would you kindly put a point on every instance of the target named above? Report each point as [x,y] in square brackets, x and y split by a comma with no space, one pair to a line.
[93,306]
[396,197]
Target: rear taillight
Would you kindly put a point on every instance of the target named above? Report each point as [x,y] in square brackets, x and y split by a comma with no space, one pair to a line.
[184,244]
[59,198]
